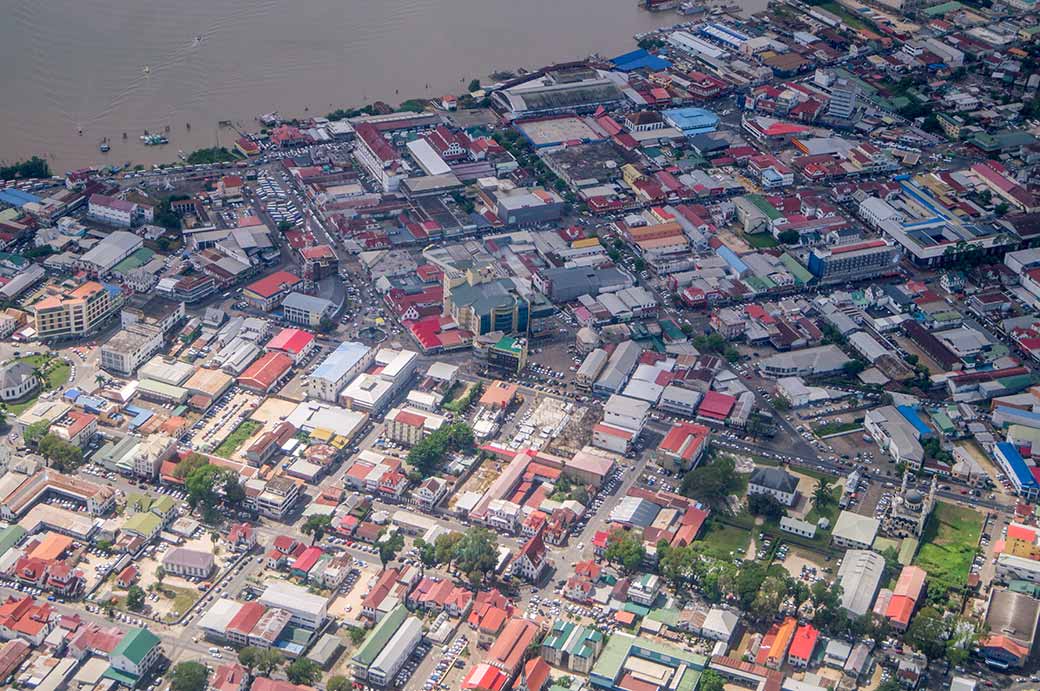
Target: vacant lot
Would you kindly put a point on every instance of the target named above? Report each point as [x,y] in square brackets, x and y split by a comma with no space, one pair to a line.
[726,541]
[948,546]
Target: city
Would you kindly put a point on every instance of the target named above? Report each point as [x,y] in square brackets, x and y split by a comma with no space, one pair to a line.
[712,365]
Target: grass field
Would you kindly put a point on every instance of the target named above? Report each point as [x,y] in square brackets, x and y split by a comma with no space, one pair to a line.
[760,241]
[948,546]
[236,438]
[722,540]
[829,510]
[829,428]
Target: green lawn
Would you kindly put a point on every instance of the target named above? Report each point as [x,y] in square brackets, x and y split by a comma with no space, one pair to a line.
[948,546]
[829,511]
[848,17]
[722,540]
[829,428]
[236,438]
[183,598]
[760,241]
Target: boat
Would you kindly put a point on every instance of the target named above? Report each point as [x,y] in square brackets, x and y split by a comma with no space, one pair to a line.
[104,147]
[181,155]
[154,139]
[147,69]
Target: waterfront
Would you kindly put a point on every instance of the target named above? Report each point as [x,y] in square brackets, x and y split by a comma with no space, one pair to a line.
[82,64]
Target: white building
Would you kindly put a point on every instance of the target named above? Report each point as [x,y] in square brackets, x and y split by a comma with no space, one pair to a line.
[776,482]
[307,610]
[347,361]
[894,434]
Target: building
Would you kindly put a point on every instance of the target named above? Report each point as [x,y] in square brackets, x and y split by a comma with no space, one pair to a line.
[572,647]
[860,576]
[307,610]
[102,258]
[895,435]
[906,596]
[268,292]
[802,646]
[775,482]
[153,310]
[1017,470]
[386,648]
[189,563]
[77,312]
[510,649]
[808,362]
[17,380]
[844,94]
[307,310]
[854,531]
[532,560]
[855,262]
[683,447]
[130,348]
[296,343]
[628,662]
[267,373]
[347,361]
[1011,619]
[409,426]
[118,212]
[135,655]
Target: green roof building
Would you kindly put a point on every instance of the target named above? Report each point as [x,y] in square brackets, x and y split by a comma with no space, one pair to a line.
[146,524]
[572,647]
[658,659]
[377,639]
[10,536]
[137,653]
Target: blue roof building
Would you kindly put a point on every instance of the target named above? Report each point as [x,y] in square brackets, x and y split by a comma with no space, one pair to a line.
[692,121]
[731,258]
[17,198]
[914,418]
[348,360]
[1021,474]
[639,59]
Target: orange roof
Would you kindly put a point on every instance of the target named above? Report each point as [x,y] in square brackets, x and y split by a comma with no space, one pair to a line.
[784,635]
[510,647]
[1021,532]
[900,607]
[51,547]
[804,642]
[498,394]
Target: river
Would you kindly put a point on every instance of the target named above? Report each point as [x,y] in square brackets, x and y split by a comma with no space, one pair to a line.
[110,67]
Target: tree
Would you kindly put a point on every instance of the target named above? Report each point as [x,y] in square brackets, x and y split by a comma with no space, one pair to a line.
[201,485]
[357,635]
[853,367]
[339,683]
[928,633]
[303,671]
[765,505]
[712,482]
[35,167]
[193,461]
[675,563]
[389,548]
[770,595]
[63,456]
[427,552]
[35,432]
[135,598]
[788,237]
[189,676]
[326,325]
[267,661]
[160,574]
[316,526]
[821,495]
[444,547]
[284,226]
[474,85]
[476,554]
[711,681]
[234,493]
[625,549]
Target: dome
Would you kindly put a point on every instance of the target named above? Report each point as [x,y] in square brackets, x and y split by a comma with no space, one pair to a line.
[914,497]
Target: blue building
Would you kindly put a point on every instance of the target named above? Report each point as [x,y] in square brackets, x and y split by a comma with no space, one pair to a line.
[1021,474]
[692,121]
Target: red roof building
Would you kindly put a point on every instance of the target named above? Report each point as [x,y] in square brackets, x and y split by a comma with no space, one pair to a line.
[296,343]
[268,372]
[268,292]
[716,406]
[802,646]
[685,444]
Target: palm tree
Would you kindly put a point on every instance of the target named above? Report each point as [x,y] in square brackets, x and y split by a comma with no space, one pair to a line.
[821,495]
[99,379]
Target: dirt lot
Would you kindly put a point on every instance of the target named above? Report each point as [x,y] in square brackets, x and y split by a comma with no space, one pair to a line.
[219,424]
[480,480]
[272,410]
[798,557]
[349,606]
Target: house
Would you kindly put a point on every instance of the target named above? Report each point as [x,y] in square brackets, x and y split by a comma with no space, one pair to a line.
[803,645]
[127,577]
[775,482]
[430,492]
[190,563]
[242,537]
[532,559]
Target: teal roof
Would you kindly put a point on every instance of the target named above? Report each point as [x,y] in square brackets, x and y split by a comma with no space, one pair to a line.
[136,644]
[764,206]
[380,636]
[10,536]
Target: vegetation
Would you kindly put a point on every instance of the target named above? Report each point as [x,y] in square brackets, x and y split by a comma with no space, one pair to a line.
[723,541]
[316,526]
[426,456]
[767,506]
[135,598]
[63,456]
[213,154]
[390,547]
[165,215]
[413,105]
[459,403]
[263,661]
[189,676]
[828,428]
[625,549]
[649,43]
[788,237]
[304,672]
[760,241]
[474,85]
[234,440]
[711,483]
[341,114]
[715,343]
[948,546]
[35,167]
[474,553]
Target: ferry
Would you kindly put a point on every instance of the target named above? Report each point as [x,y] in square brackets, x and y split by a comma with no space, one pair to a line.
[154,139]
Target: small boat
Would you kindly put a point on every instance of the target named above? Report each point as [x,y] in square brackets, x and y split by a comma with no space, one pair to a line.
[147,69]
[104,147]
